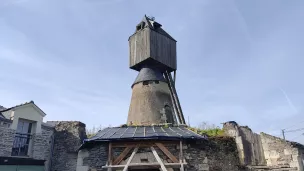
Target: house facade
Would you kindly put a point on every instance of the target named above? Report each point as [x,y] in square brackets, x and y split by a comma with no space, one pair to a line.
[27,143]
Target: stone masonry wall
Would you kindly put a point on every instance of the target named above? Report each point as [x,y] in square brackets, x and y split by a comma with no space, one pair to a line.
[257,151]
[7,139]
[248,143]
[279,152]
[42,145]
[216,154]
[68,138]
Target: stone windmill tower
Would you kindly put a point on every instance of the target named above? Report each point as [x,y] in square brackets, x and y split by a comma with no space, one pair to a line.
[154,98]
[156,127]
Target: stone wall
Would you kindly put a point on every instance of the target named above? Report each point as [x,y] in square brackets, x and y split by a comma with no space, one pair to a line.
[68,137]
[7,138]
[42,145]
[216,154]
[248,143]
[257,150]
[92,158]
[279,152]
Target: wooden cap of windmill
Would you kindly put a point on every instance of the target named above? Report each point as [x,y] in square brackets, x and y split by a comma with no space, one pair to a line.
[152,46]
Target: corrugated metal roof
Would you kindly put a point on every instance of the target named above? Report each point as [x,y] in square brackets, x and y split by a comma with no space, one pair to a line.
[145,133]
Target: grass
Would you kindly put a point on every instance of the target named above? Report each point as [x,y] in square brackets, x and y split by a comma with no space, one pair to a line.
[212,132]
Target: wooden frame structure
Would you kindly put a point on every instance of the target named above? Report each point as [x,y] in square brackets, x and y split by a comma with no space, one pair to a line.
[114,164]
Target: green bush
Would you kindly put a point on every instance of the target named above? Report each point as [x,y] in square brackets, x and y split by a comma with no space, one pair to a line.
[209,132]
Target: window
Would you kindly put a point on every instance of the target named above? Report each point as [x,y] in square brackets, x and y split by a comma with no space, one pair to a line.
[146,83]
[150,82]
[169,114]
[22,138]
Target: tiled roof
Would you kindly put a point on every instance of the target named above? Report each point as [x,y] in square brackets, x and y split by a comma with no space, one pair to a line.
[145,133]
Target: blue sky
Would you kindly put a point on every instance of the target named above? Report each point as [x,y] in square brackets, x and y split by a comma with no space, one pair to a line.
[237,60]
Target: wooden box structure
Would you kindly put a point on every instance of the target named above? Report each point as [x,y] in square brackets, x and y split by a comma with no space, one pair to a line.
[150,45]
[154,138]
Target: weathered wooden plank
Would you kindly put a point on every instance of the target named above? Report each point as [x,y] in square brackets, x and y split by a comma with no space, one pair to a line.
[167,152]
[162,166]
[139,47]
[174,93]
[150,44]
[130,159]
[174,103]
[181,155]
[169,165]
[143,143]
[122,155]
[110,156]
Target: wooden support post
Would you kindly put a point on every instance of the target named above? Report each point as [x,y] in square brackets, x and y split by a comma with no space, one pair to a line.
[162,166]
[176,98]
[174,103]
[174,77]
[122,156]
[138,165]
[181,156]
[167,152]
[130,159]
[110,156]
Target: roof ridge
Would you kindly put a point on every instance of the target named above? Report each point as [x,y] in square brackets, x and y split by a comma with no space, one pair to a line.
[22,104]
[2,108]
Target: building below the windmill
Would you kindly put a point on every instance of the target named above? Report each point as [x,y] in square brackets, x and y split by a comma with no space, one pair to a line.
[29,143]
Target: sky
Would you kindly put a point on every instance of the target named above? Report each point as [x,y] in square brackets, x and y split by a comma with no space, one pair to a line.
[237,60]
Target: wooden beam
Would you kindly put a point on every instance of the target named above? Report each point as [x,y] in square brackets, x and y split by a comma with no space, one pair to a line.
[174,77]
[122,155]
[162,166]
[176,98]
[110,156]
[130,159]
[181,156]
[174,103]
[167,152]
[143,143]
[170,165]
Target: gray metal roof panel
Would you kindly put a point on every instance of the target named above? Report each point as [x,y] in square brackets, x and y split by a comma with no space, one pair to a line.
[149,74]
[144,132]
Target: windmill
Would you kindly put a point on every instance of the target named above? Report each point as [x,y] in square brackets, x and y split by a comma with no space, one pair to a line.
[154,97]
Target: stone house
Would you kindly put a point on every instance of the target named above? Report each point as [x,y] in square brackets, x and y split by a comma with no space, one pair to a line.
[29,144]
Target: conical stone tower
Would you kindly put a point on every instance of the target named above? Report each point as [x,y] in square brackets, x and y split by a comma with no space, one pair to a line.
[153,54]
